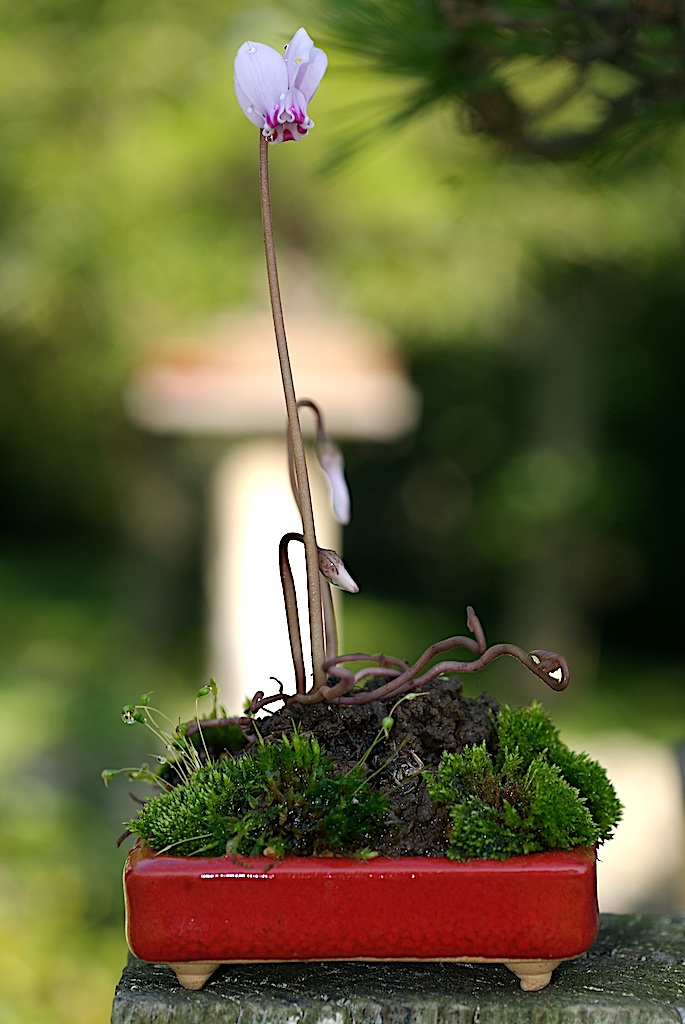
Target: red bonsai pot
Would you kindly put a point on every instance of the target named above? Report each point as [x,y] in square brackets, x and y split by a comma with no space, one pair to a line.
[194,913]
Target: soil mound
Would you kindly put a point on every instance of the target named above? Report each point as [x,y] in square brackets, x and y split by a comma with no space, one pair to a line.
[439,718]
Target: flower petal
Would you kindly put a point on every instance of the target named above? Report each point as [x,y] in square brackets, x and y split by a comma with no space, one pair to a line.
[261,78]
[333,464]
[309,77]
[247,106]
[306,64]
[298,51]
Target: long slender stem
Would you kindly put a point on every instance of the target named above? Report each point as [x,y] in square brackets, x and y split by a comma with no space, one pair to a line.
[292,618]
[316,627]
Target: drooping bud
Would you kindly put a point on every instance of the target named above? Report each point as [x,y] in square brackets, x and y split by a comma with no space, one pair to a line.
[333,569]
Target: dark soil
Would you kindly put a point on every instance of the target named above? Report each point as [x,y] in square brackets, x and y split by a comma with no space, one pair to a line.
[438,719]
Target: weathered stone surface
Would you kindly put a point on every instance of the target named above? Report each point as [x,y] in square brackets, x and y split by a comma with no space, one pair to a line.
[635,974]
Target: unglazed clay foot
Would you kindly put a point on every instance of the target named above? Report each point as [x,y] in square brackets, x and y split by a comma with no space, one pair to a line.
[194,973]
[533,974]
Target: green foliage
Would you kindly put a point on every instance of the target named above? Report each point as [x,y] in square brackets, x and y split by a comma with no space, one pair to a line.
[532,732]
[281,798]
[540,77]
[529,729]
[534,794]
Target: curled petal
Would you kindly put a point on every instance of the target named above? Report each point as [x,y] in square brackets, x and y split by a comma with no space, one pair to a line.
[333,569]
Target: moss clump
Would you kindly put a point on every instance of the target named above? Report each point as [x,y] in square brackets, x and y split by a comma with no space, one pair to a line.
[534,794]
[281,798]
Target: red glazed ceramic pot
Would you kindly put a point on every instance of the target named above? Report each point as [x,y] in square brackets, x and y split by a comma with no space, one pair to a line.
[195,913]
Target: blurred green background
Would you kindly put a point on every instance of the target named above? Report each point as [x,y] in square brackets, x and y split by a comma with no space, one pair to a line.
[539,308]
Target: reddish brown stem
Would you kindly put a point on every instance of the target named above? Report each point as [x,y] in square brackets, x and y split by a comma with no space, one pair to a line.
[402,678]
[294,431]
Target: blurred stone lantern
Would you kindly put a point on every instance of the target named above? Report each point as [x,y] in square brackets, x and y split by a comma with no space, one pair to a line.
[229,385]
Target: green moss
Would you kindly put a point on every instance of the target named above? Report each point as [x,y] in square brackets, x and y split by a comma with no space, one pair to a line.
[534,794]
[528,729]
[531,731]
[531,794]
[281,798]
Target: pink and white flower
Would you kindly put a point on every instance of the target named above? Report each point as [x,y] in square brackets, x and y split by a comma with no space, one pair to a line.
[274,89]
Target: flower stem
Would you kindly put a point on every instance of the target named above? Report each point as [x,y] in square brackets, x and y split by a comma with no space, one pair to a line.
[316,628]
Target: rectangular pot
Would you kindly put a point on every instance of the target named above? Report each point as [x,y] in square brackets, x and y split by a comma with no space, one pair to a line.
[195,913]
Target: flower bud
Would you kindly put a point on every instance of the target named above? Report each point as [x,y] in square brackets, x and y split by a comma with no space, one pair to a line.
[333,569]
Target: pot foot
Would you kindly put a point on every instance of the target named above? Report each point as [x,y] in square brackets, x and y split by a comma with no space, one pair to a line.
[532,974]
[194,973]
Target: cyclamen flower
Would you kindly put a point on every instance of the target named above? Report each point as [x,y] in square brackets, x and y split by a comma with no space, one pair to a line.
[273,90]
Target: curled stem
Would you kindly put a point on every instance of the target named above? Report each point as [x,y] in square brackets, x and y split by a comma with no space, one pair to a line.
[294,431]
[347,687]
[291,614]
[292,617]
[332,463]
